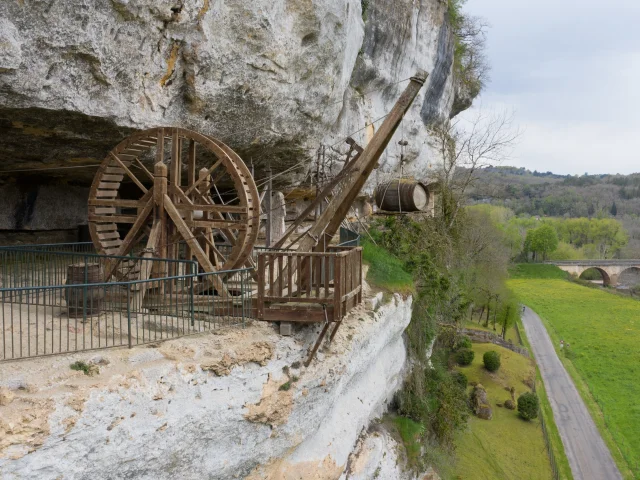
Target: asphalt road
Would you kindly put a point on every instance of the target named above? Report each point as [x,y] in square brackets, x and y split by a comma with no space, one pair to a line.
[588,455]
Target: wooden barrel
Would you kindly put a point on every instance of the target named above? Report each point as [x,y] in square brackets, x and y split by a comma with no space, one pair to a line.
[84,300]
[401,196]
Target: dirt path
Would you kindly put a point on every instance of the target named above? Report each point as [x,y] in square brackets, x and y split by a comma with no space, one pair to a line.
[588,455]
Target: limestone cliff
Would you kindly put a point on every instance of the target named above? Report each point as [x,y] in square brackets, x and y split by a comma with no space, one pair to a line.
[272,78]
[230,404]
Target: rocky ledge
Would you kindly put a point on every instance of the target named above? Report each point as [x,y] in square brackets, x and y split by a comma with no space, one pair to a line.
[235,403]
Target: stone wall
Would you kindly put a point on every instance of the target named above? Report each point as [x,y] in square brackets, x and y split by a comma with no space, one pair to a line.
[480,336]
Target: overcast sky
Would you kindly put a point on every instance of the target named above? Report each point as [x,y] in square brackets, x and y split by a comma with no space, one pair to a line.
[570,70]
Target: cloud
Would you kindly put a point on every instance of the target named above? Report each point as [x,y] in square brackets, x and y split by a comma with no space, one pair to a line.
[569,69]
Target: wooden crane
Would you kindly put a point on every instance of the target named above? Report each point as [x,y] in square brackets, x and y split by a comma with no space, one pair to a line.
[353,177]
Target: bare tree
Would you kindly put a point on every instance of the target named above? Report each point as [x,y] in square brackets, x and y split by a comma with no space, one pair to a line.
[483,140]
[472,65]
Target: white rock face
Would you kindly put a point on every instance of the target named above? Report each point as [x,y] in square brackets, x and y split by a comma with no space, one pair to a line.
[272,78]
[160,413]
[379,455]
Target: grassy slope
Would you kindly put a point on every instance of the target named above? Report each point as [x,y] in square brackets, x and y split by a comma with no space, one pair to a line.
[505,447]
[385,270]
[604,333]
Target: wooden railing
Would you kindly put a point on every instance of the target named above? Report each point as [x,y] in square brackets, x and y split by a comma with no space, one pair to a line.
[308,287]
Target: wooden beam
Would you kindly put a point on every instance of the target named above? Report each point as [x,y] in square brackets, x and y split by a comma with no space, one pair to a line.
[113,218]
[188,237]
[201,179]
[128,242]
[129,173]
[116,202]
[147,265]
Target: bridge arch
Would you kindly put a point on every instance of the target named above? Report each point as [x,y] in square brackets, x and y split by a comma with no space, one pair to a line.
[606,278]
[630,276]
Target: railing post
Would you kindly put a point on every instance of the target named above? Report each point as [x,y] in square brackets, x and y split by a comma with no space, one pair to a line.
[129,315]
[261,280]
[242,292]
[84,289]
[191,298]
[337,287]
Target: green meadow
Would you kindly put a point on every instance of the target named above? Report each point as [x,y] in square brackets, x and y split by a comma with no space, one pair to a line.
[603,331]
[505,447]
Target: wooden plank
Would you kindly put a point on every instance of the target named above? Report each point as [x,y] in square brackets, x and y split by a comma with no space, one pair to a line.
[280,258]
[105,211]
[108,185]
[351,294]
[113,178]
[309,272]
[287,299]
[337,289]
[108,235]
[108,202]
[111,243]
[113,218]
[327,270]
[191,163]
[318,268]
[299,271]
[271,264]
[106,193]
[318,343]
[290,275]
[114,171]
[298,316]
[222,224]
[107,228]
[174,172]
[212,208]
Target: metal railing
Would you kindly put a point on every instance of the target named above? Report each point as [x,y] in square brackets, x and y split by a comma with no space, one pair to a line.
[594,263]
[547,441]
[58,302]
[349,238]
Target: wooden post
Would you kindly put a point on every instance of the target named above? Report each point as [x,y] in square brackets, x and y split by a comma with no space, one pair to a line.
[269,207]
[159,191]
[278,216]
[191,179]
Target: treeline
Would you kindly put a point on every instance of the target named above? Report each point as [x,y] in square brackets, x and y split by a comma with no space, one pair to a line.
[535,238]
[547,194]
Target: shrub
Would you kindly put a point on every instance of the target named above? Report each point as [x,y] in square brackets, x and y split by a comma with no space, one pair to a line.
[461,379]
[465,356]
[463,342]
[491,360]
[528,406]
[88,368]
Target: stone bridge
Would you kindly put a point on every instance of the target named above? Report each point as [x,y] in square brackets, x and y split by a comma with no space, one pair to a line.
[609,269]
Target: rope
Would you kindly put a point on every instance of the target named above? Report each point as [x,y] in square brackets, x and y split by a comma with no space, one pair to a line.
[48,168]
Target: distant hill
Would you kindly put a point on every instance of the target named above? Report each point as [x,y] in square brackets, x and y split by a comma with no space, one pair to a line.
[547,194]
[537,193]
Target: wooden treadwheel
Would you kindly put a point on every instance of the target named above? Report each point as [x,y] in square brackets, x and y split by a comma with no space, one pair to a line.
[167,210]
